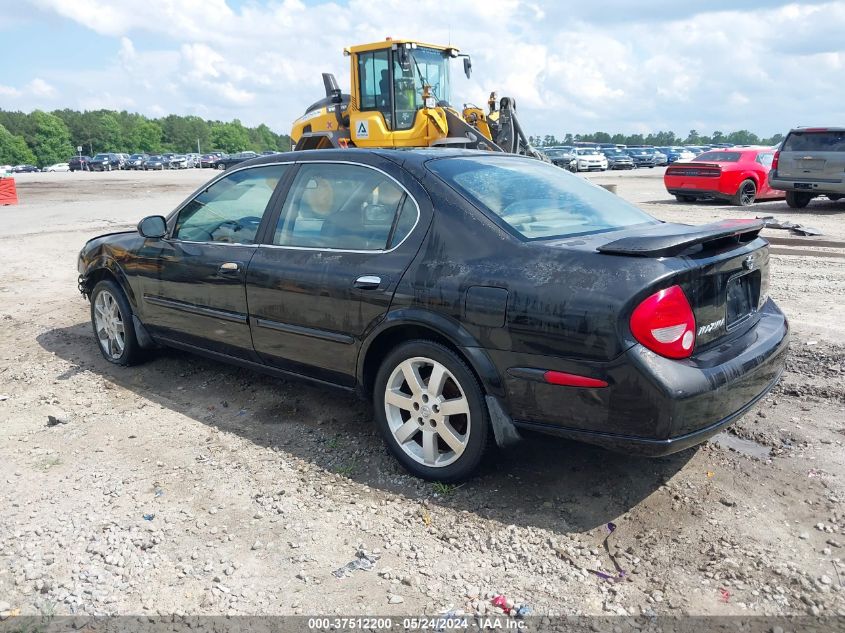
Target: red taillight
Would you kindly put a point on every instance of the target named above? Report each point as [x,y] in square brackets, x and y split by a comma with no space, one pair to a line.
[775,159]
[665,324]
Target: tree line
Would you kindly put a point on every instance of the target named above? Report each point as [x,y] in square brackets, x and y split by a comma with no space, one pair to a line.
[658,139]
[43,138]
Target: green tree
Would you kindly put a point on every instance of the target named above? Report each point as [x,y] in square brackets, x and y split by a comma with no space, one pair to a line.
[229,137]
[52,139]
[743,137]
[109,137]
[263,138]
[13,149]
[181,133]
[146,137]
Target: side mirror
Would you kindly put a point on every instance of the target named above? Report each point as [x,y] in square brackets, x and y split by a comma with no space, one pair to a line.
[153,227]
[468,66]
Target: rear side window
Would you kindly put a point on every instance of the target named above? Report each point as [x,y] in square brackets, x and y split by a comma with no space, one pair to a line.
[765,159]
[815,141]
[346,207]
[537,200]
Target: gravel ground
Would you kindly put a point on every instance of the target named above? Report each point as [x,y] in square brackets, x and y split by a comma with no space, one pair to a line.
[186,486]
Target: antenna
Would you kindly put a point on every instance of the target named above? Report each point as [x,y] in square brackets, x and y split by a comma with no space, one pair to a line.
[450,33]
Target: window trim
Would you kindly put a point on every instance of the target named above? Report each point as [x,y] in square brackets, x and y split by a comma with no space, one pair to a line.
[409,195]
[268,209]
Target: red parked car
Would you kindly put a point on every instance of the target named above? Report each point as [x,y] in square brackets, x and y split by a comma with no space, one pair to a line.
[737,174]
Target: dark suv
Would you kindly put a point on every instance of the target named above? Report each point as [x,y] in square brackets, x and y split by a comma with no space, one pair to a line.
[79,163]
[810,163]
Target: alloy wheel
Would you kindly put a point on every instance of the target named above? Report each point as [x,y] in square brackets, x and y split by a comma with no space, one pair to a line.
[748,193]
[109,325]
[428,412]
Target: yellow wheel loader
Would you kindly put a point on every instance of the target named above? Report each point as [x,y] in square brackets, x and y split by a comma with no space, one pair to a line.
[400,98]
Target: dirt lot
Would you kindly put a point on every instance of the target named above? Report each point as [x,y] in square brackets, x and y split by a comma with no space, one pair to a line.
[186,486]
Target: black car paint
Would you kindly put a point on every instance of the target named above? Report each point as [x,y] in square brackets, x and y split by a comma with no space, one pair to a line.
[504,304]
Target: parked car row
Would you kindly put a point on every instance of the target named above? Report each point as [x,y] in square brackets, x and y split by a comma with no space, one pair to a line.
[110,161]
[603,157]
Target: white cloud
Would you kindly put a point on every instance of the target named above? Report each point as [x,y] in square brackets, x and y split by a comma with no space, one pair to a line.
[580,67]
[40,88]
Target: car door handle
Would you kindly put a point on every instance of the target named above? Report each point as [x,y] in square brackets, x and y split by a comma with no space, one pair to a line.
[229,268]
[368,282]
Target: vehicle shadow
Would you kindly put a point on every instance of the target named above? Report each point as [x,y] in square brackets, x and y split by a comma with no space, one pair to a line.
[544,482]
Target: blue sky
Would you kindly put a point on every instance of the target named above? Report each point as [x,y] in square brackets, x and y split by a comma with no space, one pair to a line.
[612,65]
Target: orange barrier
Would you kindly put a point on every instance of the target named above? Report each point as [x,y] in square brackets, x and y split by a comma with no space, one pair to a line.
[8,193]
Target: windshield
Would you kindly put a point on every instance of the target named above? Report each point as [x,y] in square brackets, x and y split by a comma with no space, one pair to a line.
[536,200]
[101,157]
[588,152]
[423,66]
[556,152]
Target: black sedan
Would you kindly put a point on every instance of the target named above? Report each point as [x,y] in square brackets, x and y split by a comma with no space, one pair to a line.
[617,159]
[642,157]
[105,162]
[469,295]
[156,161]
[25,169]
[233,159]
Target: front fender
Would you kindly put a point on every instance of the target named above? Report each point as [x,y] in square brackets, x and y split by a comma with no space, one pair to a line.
[104,262]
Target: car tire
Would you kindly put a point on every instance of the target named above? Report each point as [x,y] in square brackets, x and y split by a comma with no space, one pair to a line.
[426,441]
[745,194]
[221,166]
[798,199]
[834,197]
[111,318]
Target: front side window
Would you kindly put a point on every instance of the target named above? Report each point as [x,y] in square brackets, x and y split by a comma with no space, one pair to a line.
[537,200]
[374,79]
[346,207]
[230,210]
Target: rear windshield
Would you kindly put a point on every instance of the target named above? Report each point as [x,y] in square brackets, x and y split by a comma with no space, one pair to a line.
[537,200]
[818,141]
[719,157]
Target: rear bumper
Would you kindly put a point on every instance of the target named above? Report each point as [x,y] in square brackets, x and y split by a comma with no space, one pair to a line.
[646,446]
[654,405]
[696,193]
[812,186]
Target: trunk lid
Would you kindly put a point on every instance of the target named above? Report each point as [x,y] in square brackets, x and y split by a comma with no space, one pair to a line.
[723,269]
[727,273]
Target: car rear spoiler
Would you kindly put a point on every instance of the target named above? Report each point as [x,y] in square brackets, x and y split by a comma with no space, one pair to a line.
[666,240]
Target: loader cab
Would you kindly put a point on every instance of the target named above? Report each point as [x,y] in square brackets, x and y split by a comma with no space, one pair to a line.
[389,78]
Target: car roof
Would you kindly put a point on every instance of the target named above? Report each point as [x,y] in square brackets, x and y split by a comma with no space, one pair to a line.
[411,156]
[817,129]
